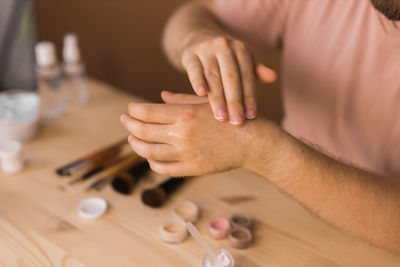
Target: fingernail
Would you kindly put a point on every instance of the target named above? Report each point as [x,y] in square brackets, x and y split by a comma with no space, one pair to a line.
[221,115]
[122,118]
[235,119]
[251,113]
[130,138]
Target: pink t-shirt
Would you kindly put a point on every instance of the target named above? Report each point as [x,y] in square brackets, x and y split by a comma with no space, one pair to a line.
[341,73]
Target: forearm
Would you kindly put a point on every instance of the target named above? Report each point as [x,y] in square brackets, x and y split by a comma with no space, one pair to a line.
[358,202]
[194,20]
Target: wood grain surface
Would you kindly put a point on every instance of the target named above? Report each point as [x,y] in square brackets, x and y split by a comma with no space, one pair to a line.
[40,226]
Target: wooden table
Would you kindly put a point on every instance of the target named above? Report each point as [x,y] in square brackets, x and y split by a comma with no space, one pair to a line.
[39,224]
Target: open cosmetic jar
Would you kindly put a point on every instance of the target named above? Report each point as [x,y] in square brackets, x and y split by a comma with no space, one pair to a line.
[223,259]
[19,115]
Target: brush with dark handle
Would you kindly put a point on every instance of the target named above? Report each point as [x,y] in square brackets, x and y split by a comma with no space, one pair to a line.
[172,184]
[124,183]
[156,197]
[87,175]
[91,159]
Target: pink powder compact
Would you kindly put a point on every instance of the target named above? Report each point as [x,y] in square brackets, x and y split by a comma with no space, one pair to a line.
[219,228]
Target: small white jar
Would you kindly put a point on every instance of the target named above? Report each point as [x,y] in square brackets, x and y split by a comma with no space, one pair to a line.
[11,157]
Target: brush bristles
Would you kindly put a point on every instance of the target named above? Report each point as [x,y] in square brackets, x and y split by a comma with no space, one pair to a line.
[154,197]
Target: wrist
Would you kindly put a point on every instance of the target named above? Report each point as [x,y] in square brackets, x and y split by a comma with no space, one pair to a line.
[266,150]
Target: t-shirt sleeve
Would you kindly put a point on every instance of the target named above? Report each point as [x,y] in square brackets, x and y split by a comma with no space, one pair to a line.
[260,22]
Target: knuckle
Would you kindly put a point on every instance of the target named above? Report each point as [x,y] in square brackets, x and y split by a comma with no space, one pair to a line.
[167,172]
[155,167]
[235,105]
[140,131]
[216,100]
[137,148]
[250,101]
[221,42]
[138,110]
[198,82]
[131,108]
[186,134]
[249,98]
[145,113]
[232,75]
[248,76]
[188,114]
[141,149]
[145,153]
[240,46]
[194,69]
[160,169]
[212,74]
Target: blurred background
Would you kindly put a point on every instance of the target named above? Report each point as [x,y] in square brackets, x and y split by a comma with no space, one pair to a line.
[120,44]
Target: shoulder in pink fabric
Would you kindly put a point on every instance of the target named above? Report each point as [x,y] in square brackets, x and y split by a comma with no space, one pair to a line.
[341,73]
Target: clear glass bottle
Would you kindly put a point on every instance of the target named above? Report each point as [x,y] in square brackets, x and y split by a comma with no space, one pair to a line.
[49,80]
[74,72]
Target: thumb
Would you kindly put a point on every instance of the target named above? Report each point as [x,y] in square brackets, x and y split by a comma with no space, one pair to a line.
[265,74]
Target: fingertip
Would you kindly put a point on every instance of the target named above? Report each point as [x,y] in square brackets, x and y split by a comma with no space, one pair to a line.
[251,113]
[266,74]
[130,138]
[166,95]
[201,90]
[236,123]
[236,119]
[122,118]
[165,92]
[220,115]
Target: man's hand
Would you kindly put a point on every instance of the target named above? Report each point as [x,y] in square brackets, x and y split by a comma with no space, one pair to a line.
[223,69]
[185,140]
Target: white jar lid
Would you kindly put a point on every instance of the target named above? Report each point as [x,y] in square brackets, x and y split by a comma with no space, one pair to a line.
[92,208]
[45,54]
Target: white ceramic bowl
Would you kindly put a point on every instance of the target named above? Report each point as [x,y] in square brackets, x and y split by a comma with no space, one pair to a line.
[19,115]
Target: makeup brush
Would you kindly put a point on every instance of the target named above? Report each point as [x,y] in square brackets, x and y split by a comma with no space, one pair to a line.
[98,185]
[90,164]
[90,159]
[119,167]
[95,170]
[125,182]
[156,197]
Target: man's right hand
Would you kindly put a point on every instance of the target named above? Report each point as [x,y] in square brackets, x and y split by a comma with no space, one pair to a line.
[223,69]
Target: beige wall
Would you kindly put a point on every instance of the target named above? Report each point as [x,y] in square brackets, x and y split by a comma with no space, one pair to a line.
[120,42]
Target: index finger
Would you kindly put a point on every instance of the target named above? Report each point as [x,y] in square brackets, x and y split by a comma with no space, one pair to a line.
[154,113]
[172,98]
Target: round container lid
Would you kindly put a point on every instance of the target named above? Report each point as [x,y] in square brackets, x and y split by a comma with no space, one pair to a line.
[92,208]
[186,210]
[240,237]
[218,228]
[173,231]
[241,220]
